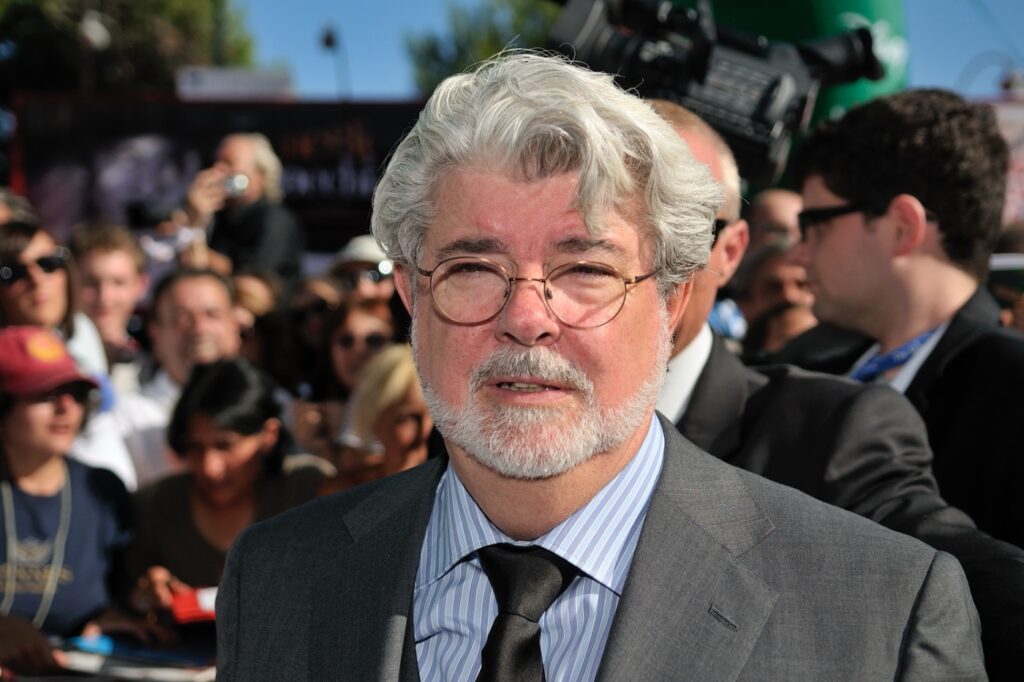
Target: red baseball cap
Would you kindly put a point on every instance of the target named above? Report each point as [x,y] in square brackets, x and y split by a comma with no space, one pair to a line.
[34,360]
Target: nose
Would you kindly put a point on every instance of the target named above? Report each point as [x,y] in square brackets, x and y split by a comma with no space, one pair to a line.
[212,465]
[63,402]
[525,319]
[800,254]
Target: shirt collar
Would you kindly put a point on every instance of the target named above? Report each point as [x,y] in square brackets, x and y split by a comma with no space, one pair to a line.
[683,372]
[598,538]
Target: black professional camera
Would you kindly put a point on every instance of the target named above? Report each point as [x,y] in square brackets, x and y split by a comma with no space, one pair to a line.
[757,94]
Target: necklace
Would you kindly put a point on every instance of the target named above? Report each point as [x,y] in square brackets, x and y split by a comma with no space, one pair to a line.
[59,545]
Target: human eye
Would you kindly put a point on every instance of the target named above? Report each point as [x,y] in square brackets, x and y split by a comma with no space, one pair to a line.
[585,271]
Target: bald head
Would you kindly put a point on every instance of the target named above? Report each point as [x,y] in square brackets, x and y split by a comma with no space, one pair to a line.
[708,147]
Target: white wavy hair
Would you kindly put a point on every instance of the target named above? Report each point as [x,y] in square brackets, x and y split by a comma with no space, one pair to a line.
[536,115]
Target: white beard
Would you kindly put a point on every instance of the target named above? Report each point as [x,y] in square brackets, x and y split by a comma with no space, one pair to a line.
[533,442]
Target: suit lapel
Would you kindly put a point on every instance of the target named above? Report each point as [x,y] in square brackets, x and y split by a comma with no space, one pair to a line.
[361,620]
[978,315]
[712,418]
[690,609]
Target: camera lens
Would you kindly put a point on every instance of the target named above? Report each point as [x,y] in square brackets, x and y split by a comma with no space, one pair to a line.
[236,184]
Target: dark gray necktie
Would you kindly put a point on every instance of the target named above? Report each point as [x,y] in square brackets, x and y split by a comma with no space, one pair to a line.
[525,580]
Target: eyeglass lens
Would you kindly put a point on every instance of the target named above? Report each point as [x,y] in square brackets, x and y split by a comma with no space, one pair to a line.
[582,294]
[11,273]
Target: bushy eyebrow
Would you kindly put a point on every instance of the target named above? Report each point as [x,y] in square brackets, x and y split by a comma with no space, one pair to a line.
[584,245]
[569,245]
[468,245]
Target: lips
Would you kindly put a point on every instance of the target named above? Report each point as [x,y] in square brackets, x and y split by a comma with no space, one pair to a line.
[527,386]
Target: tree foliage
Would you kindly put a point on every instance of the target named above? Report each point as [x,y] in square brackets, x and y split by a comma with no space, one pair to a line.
[476,34]
[42,45]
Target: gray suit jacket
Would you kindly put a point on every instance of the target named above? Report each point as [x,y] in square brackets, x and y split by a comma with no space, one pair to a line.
[734,578]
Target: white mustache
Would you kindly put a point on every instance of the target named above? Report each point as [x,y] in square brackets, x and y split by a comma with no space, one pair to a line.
[539,362]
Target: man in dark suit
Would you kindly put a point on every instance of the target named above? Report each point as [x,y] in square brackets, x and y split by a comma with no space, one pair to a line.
[858,446]
[903,200]
[544,226]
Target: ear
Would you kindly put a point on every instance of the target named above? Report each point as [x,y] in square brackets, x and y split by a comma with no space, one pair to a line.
[404,283]
[732,244]
[269,434]
[910,221]
[677,301]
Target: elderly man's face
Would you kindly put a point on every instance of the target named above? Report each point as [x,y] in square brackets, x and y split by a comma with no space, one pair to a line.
[523,393]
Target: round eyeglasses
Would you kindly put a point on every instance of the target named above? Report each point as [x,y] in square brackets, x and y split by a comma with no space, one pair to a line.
[582,294]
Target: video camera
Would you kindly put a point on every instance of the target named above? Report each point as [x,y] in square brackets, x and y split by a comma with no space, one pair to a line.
[757,94]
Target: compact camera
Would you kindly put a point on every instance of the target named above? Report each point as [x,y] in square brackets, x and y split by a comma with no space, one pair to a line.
[757,94]
[236,184]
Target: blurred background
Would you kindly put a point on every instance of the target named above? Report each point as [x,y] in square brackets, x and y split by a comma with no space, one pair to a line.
[110,107]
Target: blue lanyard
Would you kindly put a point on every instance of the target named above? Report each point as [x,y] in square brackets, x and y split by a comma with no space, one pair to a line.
[897,357]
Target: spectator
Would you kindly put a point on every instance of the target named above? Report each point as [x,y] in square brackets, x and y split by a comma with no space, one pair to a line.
[363,270]
[112,282]
[897,235]
[356,331]
[390,423]
[63,521]
[239,200]
[311,306]
[37,287]
[193,321]
[767,278]
[772,216]
[226,427]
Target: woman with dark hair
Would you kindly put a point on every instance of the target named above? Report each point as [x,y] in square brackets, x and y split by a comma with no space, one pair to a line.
[226,426]
[62,523]
[355,332]
[37,288]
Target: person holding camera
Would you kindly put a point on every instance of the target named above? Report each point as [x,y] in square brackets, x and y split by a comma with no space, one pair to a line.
[238,201]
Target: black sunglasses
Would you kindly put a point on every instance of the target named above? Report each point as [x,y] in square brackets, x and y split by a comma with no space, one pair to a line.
[13,272]
[374,341]
[81,392]
[350,280]
[810,218]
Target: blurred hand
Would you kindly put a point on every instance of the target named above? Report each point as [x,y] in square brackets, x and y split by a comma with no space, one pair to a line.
[113,622]
[155,590]
[25,650]
[206,195]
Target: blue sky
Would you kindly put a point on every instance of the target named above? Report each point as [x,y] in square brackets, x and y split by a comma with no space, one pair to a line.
[959,44]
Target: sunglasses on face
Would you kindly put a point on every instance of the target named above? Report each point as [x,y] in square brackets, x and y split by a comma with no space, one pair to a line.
[374,275]
[374,341]
[81,393]
[14,272]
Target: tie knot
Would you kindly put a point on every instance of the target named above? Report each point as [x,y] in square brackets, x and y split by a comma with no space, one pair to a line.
[525,580]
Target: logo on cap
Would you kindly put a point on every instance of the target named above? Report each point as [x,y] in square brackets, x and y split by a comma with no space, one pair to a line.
[45,347]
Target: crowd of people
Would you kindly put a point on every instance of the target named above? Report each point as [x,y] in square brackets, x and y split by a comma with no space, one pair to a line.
[151,410]
[161,395]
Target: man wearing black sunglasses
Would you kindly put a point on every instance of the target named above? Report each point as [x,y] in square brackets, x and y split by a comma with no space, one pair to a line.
[903,201]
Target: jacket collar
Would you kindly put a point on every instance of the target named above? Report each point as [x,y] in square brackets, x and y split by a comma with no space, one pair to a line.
[976,317]
[712,419]
[691,609]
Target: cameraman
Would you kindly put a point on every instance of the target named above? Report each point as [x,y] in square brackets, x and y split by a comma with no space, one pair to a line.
[238,201]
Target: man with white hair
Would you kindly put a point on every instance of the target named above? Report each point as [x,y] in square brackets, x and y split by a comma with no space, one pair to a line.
[545,226]
[238,201]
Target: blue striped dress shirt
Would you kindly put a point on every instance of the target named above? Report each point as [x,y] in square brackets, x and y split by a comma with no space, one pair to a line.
[454,605]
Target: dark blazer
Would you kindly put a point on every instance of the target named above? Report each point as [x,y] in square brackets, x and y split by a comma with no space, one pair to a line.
[734,578]
[970,392]
[863,448]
